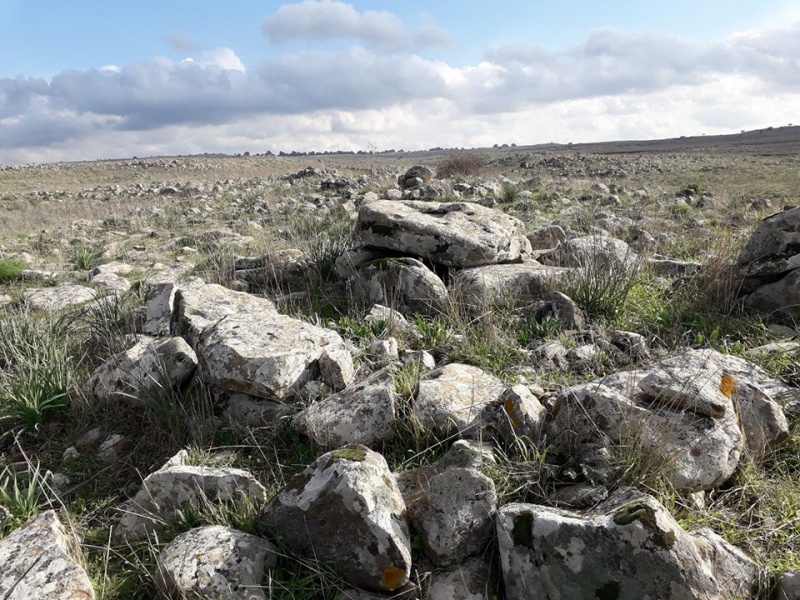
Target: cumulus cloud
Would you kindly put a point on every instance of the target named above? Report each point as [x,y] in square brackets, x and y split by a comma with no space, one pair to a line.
[612,84]
[324,20]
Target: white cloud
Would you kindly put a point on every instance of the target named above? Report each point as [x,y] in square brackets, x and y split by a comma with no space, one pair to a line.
[613,85]
[324,20]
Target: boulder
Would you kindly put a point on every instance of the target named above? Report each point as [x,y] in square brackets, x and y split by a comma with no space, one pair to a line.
[513,283]
[546,238]
[470,580]
[41,560]
[453,513]
[519,415]
[346,508]
[455,397]
[629,547]
[215,562]
[149,366]
[693,415]
[176,487]
[362,414]
[774,247]
[414,177]
[404,283]
[452,234]
[779,299]
[58,298]
[592,252]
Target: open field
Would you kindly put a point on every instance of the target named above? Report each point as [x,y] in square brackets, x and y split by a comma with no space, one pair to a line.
[695,201]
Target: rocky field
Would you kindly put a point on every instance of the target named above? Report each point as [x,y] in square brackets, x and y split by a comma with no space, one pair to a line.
[515,373]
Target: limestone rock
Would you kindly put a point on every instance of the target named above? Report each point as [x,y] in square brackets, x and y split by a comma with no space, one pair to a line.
[520,415]
[58,298]
[414,177]
[629,547]
[405,283]
[361,414]
[788,586]
[592,252]
[346,508]
[774,247]
[453,512]
[506,283]
[176,487]
[470,580]
[455,234]
[779,299]
[254,412]
[147,367]
[455,396]
[215,562]
[111,283]
[39,560]
[547,237]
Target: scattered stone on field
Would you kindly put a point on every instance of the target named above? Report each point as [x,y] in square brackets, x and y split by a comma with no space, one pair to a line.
[696,413]
[250,411]
[151,366]
[405,283]
[346,508]
[452,234]
[470,580]
[519,415]
[453,513]
[627,547]
[592,252]
[565,310]
[111,283]
[455,396]
[58,298]
[41,560]
[281,268]
[350,261]
[362,414]
[414,177]
[513,283]
[421,358]
[175,487]
[546,238]
[113,447]
[780,299]
[383,351]
[669,267]
[5,300]
[112,268]
[393,319]
[774,247]
[215,562]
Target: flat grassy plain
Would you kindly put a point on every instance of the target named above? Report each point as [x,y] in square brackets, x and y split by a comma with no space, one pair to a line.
[696,199]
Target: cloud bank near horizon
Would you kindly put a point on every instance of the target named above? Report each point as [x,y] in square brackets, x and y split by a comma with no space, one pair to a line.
[376,85]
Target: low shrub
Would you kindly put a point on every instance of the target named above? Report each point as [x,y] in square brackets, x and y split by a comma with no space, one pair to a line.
[461,165]
[10,269]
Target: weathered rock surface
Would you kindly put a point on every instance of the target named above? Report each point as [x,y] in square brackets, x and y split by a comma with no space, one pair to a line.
[629,547]
[592,251]
[361,414]
[40,560]
[58,298]
[453,512]
[243,344]
[774,247]
[520,415]
[470,580]
[455,396]
[404,283]
[346,508]
[177,486]
[511,282]
[695,413]
[779,299]
[215,562]
[414,177]
[455,235]
[147,367]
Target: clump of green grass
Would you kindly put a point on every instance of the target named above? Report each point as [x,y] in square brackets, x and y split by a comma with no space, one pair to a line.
[602,286]
[10,269]
[84,256]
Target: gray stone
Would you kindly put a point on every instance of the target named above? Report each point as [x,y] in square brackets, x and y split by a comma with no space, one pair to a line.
[629,547]
[176,487]
[405,283]
[215,562]
[779,299]
[147,368]
[592,252]
[346,508]
[455,396]
[521,415]
[255,412]
[111,283]
[58,298]
[774,247]
[547,237]
[453,512]
[363,414]
[506,283]
[455,234]
[788,586]
[392,319]
[40,560]
[414,177]
[383,351]
[470,580]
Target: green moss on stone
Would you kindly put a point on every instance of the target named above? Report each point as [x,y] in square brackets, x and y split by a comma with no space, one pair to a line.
[646,515]
[354,454]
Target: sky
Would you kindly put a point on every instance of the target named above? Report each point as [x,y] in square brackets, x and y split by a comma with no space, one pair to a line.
[92,79]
